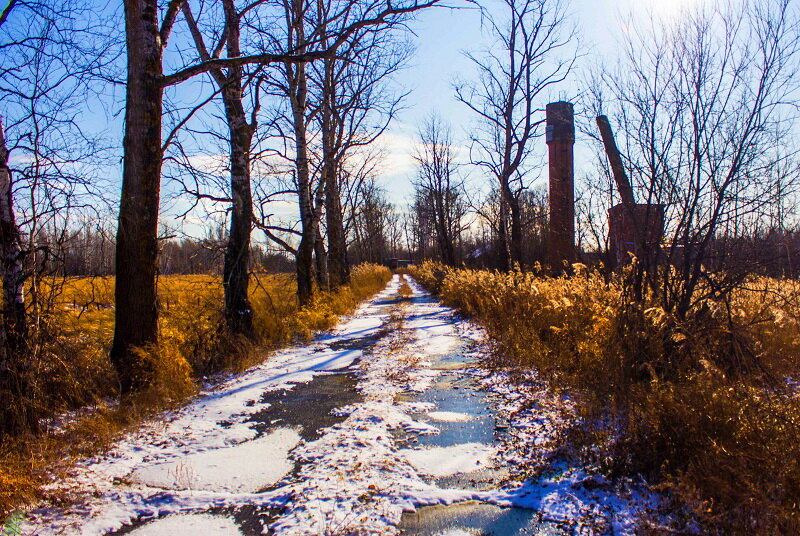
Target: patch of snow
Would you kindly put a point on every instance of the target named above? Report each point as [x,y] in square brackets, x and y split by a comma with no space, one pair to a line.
[351,478]
[246,467]
[124,507]
[417,407]
[449,416]
[189,525]
[416,427]
[452,460]
[433,323]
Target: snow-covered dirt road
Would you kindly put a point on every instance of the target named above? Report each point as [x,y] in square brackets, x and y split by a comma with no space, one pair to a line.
[386,424]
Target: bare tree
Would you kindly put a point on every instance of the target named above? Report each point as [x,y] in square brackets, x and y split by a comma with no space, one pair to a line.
[354,106]
[533,54]
[232,84]
[52,55]
[356,170]
[439,189]
[136,304]
[297,91]
[371,222]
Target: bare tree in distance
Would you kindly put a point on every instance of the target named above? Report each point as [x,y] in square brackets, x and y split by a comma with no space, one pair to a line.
[371,223]
[439,189]
[535,50]
[335,106]
[355,171]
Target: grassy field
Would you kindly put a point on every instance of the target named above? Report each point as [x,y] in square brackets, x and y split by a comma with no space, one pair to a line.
[76,384]
[706,407]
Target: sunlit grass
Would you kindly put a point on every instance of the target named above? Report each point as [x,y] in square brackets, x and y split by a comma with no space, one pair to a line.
[73,371]
[705,406]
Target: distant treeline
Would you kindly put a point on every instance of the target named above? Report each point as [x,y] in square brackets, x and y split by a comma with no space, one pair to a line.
[92,253]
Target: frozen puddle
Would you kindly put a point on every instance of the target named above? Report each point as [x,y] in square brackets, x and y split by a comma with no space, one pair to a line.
[247,467]
[189,525]
[460,411]
[473,519]
[462,455]
[310,407]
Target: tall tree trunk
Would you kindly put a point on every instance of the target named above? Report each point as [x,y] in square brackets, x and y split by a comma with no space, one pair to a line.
[320,258]
[516,229]
[305,250]
[298,93]
[442,235]
[320,255]
[502,233]
[136,313]
[305,263]
[16,412]
[338,264]
[236,271]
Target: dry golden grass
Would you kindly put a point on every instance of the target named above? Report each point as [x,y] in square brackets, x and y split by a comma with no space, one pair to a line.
[73,369]
[700,405]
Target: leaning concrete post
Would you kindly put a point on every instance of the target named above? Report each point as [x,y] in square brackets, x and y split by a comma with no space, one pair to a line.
[560,141]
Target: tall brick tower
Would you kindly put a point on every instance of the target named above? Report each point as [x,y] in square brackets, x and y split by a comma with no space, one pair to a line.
[560,141]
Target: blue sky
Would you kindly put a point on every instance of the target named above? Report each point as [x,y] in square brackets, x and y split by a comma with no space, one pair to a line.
[443,35]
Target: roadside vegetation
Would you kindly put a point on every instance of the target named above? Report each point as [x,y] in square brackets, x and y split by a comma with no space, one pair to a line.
[706,407]
[75,384]
[253,143]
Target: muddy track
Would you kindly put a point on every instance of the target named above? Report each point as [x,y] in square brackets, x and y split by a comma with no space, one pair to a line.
[384,425]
